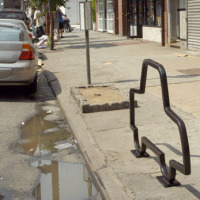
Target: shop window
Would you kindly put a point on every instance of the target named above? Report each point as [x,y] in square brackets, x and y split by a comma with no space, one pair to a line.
[152,12]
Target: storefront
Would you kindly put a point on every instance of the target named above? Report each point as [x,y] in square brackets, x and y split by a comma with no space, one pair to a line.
[105,15]
[177,23]
[145,19]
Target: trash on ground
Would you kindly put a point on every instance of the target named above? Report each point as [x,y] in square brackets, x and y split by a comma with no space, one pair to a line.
[64,146]
[40,62]
[51,130]
[42,44]
[31,149]
[49,112]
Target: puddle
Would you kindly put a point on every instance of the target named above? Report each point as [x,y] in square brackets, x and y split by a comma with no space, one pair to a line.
[39,136]
[61,181]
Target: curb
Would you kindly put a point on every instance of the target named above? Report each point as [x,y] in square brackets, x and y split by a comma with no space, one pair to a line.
[104,177]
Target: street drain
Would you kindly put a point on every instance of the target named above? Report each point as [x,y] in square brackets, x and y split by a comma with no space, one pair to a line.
[1,197]
[63,181]
[39,136]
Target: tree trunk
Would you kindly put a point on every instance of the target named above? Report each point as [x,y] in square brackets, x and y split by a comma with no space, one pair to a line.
[51,26]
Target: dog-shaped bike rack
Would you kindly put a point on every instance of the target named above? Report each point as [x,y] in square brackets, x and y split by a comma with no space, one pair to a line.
[168,173]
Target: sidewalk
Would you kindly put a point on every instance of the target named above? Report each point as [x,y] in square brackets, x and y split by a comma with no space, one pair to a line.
[105,138]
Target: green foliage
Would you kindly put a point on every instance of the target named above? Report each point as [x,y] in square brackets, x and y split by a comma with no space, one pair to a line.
[94,10]
[53,3]
[49,41]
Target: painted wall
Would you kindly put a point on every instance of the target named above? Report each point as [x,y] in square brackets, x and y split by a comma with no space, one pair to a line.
[72,11]
[152,34]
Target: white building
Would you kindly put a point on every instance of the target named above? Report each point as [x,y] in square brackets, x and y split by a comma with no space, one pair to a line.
[72,11]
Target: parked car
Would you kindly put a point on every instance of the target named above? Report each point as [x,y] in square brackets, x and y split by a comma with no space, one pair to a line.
[14,14]
[18,58]
[19,23]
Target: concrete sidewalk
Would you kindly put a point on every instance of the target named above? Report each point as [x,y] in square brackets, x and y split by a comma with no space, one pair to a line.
[105,138]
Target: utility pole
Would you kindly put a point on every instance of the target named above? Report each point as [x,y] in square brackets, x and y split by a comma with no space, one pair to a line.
[88,55]
[86,25]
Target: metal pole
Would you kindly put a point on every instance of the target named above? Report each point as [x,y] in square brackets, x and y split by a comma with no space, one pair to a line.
[163,22]
[88,55]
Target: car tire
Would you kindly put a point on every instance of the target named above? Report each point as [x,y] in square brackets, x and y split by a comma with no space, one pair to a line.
[32,88]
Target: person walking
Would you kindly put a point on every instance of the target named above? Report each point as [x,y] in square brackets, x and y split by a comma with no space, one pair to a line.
[39,24]
[60,30]
[32,18]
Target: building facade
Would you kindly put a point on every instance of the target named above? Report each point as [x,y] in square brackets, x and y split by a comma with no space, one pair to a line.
[193,25]
[72,11]
[164,21]
[133,18]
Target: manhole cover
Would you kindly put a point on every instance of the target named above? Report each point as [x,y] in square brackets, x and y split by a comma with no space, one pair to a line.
[191,72]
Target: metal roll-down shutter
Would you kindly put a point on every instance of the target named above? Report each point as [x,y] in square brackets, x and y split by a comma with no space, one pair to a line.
[193,15]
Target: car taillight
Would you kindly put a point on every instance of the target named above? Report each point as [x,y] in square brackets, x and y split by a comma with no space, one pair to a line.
[31,36]
[27,52]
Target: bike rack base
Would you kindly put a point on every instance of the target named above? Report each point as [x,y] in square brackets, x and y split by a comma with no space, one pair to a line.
[166,183]
[137,154]
[168,172]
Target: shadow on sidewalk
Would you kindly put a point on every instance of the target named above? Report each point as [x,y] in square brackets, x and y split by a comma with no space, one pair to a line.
[193,190]
[53,81]
[190,188]
[80,43]
[176,151]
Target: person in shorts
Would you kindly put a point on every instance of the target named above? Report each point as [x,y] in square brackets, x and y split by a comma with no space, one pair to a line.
[61,26]
[39,24]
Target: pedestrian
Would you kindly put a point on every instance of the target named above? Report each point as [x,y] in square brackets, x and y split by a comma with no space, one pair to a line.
[39,31]
[60,30]
[32,18]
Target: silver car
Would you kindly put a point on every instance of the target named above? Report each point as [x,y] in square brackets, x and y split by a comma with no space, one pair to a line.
[19,23]
[18,57]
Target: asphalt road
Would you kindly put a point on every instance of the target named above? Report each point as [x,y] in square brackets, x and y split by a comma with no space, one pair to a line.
[17,177]
[35,139]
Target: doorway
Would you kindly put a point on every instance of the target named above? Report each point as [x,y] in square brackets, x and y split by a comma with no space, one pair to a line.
[101,15]
[110,16]
[177,23]
[135,16]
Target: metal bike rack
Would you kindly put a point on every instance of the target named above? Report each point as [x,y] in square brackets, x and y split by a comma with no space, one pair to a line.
[168,173]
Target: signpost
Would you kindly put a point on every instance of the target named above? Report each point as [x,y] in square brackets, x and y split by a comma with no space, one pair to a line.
[86,25]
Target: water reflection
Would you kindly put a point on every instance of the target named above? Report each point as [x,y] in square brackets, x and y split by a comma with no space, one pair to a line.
[61,181]
[39,136]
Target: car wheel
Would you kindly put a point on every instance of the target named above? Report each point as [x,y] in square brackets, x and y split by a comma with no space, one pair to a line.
[32,88]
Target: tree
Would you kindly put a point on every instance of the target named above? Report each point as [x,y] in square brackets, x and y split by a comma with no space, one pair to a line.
[94,10]
[50,7]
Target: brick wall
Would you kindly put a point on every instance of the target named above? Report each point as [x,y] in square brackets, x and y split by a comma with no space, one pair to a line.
[115,17]
[166,23]
[122,19]
[96,15]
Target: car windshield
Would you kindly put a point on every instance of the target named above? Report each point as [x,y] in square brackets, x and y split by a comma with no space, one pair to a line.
[11,34]
[11,15]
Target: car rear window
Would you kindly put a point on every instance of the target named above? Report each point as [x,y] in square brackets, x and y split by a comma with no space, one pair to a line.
[11,34]
[12,15]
